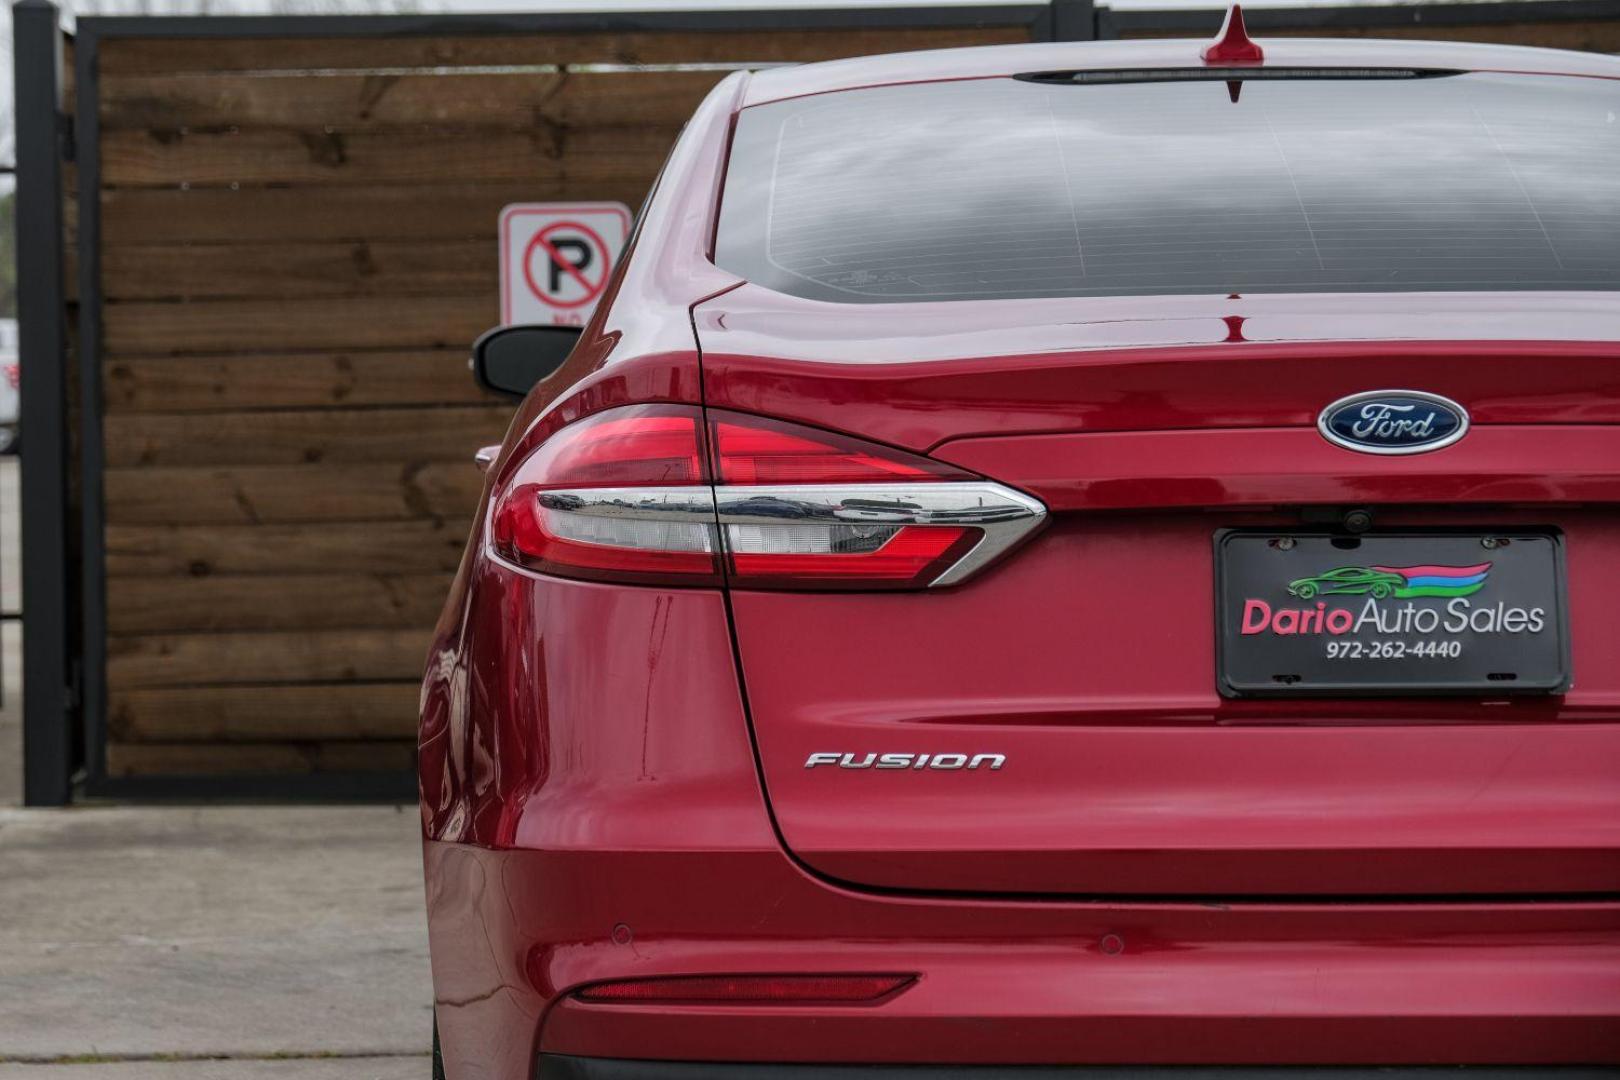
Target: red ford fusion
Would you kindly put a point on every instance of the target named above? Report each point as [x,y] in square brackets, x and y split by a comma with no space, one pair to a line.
[1058,555]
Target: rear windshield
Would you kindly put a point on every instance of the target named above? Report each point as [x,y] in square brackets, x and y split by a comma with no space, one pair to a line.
[1011,188]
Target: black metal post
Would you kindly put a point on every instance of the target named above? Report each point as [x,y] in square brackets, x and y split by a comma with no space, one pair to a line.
[1074,20]
[1106,27]
[48,745]
[92,622]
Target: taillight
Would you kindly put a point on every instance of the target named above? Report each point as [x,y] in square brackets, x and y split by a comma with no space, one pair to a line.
[756,450]
[638,446]
[622,495]
[13,374]
[626,495]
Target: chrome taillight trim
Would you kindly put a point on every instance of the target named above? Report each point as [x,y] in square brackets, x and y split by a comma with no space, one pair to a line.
[694,503]
[1005,516]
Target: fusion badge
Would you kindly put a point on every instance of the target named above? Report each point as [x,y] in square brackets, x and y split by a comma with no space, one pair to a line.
[1393,422]
[943,762]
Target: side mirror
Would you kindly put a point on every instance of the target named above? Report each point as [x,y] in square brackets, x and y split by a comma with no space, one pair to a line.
[512,359]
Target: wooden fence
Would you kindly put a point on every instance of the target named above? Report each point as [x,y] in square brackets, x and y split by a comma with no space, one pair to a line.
[297,244]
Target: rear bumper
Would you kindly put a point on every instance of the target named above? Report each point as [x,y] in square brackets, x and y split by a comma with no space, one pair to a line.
[556,1067]
[587,829]
[1000,983]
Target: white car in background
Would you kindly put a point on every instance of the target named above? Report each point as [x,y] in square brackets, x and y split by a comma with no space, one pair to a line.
[10,398]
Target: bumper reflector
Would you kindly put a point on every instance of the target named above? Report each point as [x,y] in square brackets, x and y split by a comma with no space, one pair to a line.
[748,990]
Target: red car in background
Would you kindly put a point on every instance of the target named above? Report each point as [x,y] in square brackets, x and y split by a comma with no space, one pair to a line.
[877,647]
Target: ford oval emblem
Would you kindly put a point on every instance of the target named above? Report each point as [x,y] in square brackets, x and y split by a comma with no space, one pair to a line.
[1393,422]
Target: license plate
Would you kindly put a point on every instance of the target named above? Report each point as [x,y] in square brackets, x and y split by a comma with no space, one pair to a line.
[1302,613]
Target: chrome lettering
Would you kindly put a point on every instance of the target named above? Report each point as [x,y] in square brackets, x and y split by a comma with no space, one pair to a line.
[951,762]
[1377,421]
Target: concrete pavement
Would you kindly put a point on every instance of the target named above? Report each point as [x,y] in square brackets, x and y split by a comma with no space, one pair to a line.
[202,943]
[11,715]
[402,1068]
[241,934]
[10,541]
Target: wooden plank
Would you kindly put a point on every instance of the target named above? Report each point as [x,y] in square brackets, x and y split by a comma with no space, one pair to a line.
[191,759]
[497,100]
[548,158]
[301,268]
[282,494]
[301,602]
[467,211]
[378,547]
[300,436]
[217,383]
[176,660]
[276,325]
[161,56]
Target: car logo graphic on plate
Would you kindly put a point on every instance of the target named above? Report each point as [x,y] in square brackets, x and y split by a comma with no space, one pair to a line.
[1393,422]
[1401,582]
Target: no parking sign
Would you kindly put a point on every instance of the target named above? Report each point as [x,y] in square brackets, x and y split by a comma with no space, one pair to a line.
[556,259]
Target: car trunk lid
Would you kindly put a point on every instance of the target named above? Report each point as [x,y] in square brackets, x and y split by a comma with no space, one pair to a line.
[1081,673]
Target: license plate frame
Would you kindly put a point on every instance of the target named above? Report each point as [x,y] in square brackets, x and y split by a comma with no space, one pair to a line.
[1256,655]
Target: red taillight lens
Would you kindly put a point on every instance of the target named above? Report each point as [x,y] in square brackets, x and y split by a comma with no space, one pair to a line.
[754,450]
[532,529]
[624,495]
[748,990]
[854,538]
[620,496]
[13,374]
[639,446]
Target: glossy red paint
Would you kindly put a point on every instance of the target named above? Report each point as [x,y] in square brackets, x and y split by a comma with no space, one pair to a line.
[916,375]
[638,346]
[1407,881]
[1002,981]
[1232,45]
[1270,466]
[1127,774]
